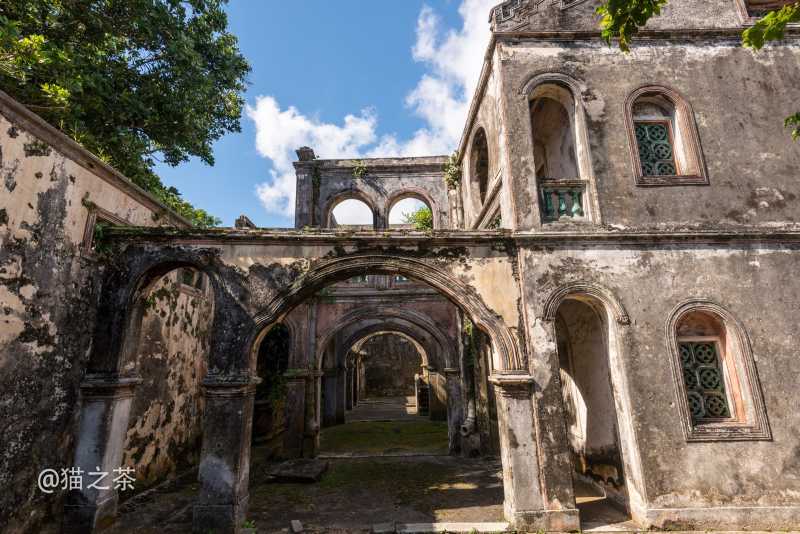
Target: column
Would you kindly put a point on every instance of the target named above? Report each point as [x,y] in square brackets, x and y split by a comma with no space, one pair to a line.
[341,394]
[224,470]
[437,396]
[525,507]
[104,413]
[311,431]
[455,409]
[348,377]
[329,397]
[295,413]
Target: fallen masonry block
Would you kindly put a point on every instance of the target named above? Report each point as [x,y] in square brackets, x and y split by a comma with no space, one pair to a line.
[305,470]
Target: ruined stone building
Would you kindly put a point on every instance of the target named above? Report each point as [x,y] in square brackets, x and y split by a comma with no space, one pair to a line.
[607,295]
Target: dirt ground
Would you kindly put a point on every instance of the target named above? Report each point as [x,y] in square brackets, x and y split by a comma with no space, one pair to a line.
[355,493]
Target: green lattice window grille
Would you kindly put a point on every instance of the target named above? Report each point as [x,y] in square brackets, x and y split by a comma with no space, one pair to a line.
[656,153]
[705,381]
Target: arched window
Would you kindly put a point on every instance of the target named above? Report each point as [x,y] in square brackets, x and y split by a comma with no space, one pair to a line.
[716,375]
[479,163]
[351,213]
[665,146]
[412,213]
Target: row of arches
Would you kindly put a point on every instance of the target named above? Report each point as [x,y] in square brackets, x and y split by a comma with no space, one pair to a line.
[351,209]
[663,140]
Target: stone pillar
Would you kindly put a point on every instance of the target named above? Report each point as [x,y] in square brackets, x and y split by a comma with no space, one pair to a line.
[104,413]
[329,398]
[224,470]
[525,506]
[437,396]
[362,380]
[295,413]
[341,394]
[355,384]
[348,378]
[455,409]
[311,431]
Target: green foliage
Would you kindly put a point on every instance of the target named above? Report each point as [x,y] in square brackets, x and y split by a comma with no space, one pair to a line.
[100,244]
[359,169]
[793,122]
[422,219]
[771,26]
[249,524]
[135,82]
[622,19]
[452,171]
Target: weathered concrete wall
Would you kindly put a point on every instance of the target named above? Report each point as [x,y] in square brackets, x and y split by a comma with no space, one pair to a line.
[49,188]
[322,184]
[749,155]
[166,414]
[681,479]
[390,361]
[548,15]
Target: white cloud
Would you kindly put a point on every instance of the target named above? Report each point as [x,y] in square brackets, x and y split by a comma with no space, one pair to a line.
[453,59]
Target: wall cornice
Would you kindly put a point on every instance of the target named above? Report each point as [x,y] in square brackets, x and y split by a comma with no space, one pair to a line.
[588,237]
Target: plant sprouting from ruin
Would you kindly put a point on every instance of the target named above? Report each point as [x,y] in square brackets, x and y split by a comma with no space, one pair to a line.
[359,169]
[452,171]
[422,219]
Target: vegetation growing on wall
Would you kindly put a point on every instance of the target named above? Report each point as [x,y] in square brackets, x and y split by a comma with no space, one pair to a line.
[422,219]
[136,83]
[622,20]
[359,169]
[452,171]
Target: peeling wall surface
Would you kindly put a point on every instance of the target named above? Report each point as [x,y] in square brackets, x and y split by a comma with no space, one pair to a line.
[166,415]
[48,291]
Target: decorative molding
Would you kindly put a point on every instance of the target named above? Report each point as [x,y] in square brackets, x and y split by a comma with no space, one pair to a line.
[514,386]
[584,288]
[230,386]
[109,386]
[756,427]
[685,122]
[516,9]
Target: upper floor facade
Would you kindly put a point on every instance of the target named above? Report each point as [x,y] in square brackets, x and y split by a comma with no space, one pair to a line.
[567,133]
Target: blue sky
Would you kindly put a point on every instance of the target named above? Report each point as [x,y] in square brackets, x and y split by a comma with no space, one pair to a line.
[350,78]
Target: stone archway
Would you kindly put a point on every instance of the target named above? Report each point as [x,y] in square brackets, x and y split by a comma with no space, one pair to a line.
[259,277]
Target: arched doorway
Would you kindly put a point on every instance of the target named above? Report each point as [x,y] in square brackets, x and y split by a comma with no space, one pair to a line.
[595,430]
[269,409]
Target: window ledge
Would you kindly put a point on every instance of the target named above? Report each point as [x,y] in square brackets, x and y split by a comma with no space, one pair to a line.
[671,180]
[732,431]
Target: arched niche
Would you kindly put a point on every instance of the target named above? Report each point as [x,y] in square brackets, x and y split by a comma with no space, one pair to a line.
[479,167]
[565,180]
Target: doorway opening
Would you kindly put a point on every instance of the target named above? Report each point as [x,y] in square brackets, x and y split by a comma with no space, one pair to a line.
[591,415]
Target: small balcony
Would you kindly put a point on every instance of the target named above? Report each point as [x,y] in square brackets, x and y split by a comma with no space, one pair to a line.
[562,200]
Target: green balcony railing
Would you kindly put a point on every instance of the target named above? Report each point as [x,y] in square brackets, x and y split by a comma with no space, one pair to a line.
[563,199]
